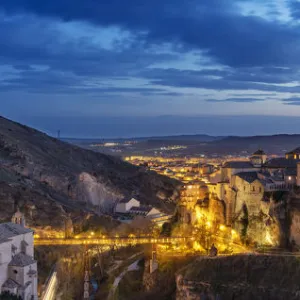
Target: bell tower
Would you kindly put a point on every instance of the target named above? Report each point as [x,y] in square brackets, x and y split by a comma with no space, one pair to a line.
[258,158]
[18,218]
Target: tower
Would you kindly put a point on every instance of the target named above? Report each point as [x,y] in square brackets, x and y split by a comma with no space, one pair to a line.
[18,218]
[258,158]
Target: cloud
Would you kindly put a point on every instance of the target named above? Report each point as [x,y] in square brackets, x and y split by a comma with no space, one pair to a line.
[216,27]
[294,8]
[214,80]
[237,100]
[292,101]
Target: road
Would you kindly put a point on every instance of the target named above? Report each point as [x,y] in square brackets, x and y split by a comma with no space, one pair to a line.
[133,267]
[109,241]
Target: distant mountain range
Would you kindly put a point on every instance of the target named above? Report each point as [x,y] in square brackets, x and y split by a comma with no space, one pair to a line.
[194,137]
[273,144]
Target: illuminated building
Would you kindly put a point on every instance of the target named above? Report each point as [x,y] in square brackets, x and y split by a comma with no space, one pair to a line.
[18,269]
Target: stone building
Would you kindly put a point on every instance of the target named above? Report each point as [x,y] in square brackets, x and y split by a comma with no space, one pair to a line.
[294,154]
[18,269]
[244,184]
[190,195]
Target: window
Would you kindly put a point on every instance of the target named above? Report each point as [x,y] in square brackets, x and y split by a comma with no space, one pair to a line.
[253,189]
[260,189]
[16,271]
[244,188]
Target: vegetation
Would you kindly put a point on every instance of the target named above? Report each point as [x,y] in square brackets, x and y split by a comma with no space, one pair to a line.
[9,296]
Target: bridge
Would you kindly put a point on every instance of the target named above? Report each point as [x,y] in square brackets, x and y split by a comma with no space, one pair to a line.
[121,241]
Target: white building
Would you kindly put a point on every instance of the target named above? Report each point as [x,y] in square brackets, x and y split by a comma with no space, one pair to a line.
[146,211]
[18,269]
[126,204]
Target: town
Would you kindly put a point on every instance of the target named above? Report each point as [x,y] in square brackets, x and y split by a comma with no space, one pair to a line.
[225,206]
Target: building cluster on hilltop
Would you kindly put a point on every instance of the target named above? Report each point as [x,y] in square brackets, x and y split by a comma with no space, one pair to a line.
[243,185]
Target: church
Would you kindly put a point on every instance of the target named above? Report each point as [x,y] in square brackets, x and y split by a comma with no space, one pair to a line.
[18,269]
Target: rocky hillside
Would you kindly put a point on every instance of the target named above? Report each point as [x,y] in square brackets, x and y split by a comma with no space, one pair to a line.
[240,277]
[51,175]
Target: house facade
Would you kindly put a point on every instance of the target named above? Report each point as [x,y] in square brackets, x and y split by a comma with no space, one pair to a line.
[126,204]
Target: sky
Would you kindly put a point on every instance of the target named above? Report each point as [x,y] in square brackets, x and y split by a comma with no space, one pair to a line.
[136,68]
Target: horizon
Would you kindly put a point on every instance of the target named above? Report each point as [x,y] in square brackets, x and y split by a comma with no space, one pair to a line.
[224,59]
[160,126]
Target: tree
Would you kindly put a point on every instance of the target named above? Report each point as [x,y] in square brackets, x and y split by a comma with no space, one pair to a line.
[9,296]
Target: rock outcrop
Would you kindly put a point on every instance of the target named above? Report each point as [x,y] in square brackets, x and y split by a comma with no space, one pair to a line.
[240,277]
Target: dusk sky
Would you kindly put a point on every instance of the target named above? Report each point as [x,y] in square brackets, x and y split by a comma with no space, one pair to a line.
[95,68]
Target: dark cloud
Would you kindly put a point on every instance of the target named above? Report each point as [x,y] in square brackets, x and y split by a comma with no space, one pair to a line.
[58,82]
[207,80]
[237,100]
[294,8]
[216,27]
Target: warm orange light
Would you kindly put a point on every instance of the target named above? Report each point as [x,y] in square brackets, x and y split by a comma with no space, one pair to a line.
[222,227]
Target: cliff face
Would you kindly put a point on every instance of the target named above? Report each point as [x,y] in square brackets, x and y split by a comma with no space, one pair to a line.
[240,277]
[72,176]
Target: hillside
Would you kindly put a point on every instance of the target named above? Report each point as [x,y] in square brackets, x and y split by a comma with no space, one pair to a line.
[36,169]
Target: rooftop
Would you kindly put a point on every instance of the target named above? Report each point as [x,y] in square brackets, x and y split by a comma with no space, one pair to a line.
[141,208]
[238,164]
[8,230]
[10,284]
[126,200]
[259,152]
[248,176]
[21,260]
[295,151]
[282,162]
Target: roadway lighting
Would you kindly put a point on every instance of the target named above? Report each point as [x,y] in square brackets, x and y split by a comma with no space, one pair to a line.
[92,233]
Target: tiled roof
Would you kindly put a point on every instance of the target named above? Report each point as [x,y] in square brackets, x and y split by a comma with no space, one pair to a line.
[141,208]
[248,176]
[282,162]
[126,200]
[21,260]
[295,151]
[8,230]
[10,284]
[259,152]
[238,164]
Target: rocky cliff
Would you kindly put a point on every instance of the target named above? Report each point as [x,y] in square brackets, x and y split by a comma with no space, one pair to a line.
[48,175]
[240,277]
